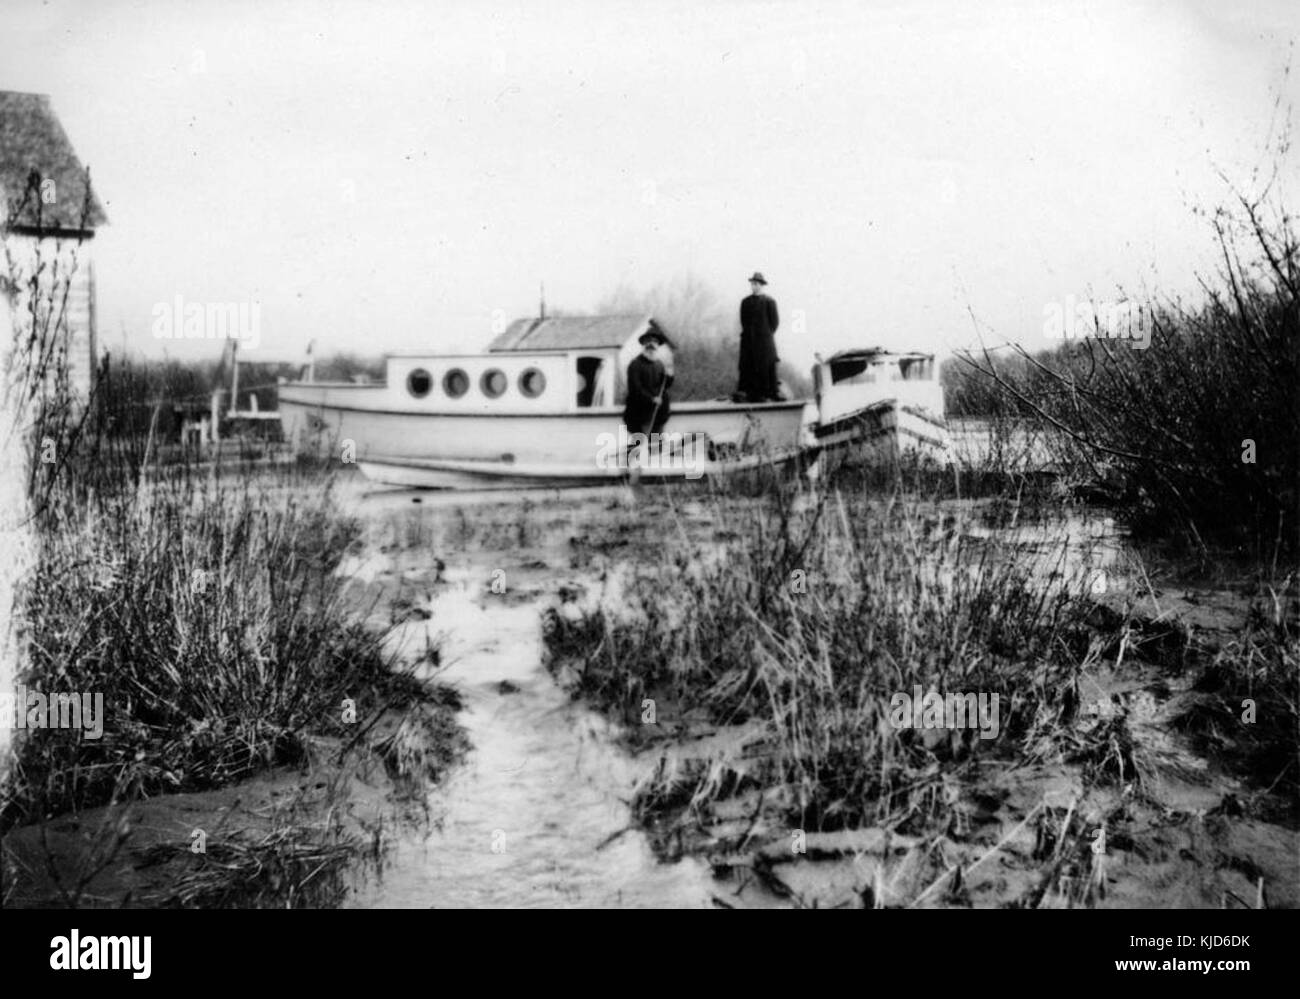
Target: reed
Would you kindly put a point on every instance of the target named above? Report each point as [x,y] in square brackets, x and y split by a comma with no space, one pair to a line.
[782,638]
[208,616]
[202,603]
[1193,428]
[808,620]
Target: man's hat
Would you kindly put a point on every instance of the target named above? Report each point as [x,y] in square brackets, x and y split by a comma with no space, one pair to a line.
[758,276]
[652,336]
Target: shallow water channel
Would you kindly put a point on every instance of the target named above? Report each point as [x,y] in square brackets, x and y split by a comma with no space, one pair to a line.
[537,816]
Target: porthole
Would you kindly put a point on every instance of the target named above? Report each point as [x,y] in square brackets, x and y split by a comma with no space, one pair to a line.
[493,383]
[532,383]
[418,383]
[455,383]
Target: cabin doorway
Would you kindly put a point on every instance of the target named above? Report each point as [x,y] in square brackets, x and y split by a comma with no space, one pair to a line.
[589,382]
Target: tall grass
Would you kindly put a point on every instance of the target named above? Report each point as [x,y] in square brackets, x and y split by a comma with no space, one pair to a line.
[813,616]
[1202,427]
[208,617]
[203,605]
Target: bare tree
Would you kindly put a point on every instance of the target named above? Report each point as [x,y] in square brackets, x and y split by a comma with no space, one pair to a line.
[704,330]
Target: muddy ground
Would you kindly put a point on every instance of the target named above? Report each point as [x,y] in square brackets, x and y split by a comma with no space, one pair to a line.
[1189,832]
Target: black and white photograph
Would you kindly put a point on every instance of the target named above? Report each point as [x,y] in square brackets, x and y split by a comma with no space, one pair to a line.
[662,455]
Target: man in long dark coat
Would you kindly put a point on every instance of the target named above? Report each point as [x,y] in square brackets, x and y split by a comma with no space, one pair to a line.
[646,410]
[758,357]
[648,382]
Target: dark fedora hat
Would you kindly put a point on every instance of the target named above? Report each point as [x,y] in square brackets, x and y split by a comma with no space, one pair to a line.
[652,335]
[758,276]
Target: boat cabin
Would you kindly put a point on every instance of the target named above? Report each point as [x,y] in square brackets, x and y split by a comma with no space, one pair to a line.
[853,380]
[537,365]
[525,381]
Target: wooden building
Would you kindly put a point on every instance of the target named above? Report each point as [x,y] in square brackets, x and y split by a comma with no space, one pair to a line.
[48,218]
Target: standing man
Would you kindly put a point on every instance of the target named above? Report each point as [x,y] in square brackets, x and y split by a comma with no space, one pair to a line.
[648,381]
[758,323]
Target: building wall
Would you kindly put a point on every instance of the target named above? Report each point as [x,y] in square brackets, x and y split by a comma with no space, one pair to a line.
[17,543]
[67,287]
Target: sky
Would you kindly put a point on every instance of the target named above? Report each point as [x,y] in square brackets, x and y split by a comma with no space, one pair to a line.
[403,176]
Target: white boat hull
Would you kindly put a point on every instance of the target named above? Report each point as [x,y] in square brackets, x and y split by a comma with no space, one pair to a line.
[474,450]
[436,474]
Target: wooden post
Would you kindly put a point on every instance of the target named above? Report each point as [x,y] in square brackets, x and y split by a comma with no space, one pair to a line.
[234,376]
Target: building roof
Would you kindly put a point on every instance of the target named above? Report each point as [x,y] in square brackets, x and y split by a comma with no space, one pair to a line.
[33,141]
[572,332]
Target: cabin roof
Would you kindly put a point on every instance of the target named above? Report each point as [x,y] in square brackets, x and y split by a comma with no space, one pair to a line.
[32,140]
[424,355]
[877,354]
[572,332]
